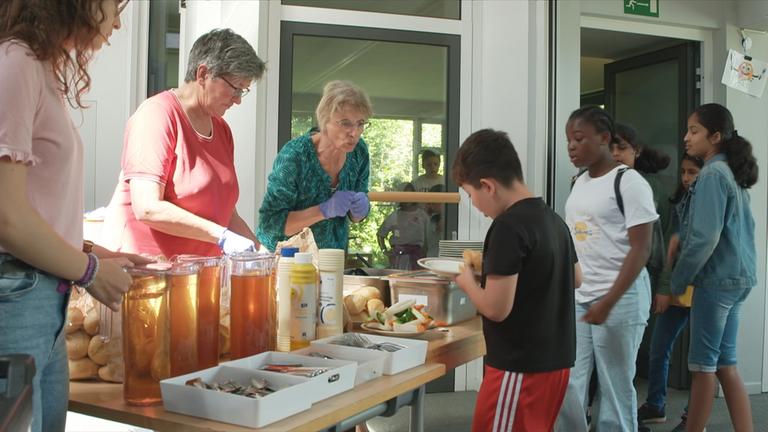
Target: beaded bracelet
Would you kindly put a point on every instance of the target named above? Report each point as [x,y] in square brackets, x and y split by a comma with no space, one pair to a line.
[84,282]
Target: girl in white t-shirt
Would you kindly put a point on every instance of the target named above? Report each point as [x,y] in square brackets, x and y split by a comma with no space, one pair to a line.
[613,302]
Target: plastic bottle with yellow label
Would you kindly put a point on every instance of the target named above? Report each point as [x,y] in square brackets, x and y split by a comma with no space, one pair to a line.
[303,300]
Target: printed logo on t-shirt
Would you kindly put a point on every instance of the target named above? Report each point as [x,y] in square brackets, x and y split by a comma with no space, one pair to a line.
[585,233]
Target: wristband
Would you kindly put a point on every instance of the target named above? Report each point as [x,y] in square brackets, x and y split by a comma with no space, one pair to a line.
[90,272]
[85,281]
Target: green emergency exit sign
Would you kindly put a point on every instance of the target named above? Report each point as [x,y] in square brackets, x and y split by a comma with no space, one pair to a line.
[642,7]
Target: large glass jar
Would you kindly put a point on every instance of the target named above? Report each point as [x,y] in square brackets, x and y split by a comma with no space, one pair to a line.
[146,334]
[182,297]
[252,308]
[209,280]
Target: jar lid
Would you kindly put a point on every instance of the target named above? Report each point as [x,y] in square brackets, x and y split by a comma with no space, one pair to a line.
[205,261]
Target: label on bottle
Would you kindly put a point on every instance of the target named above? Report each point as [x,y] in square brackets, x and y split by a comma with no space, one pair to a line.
[303,312]
[326,315]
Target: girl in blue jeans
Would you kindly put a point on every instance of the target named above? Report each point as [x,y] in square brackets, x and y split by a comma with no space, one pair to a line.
[45,48]
[672,313]
[717,234]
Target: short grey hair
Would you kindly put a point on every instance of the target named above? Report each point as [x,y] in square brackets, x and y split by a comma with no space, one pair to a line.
[224,52]
[339,95]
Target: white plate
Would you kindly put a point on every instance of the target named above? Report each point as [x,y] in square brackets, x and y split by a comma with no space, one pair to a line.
[442,266]
[366,327]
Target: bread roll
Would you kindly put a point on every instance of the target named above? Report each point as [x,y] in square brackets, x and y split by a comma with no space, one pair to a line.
[474,259]
[91,322]
[77,345]
[355,303]
[373,306]
[100,351]
[112,372]
[74,320]
[369,292]
[82,368]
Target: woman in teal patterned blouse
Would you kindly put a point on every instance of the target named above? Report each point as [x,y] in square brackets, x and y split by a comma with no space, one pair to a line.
[320,179]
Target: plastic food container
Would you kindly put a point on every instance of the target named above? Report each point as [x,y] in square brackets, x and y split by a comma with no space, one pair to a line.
[443,299]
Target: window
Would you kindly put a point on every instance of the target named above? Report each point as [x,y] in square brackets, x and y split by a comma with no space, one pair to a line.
[427,8]
[412,80]
[164,24]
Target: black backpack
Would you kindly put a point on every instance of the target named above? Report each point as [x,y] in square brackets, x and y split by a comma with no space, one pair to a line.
[656,260]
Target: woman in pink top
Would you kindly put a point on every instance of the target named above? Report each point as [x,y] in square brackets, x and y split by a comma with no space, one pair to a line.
[45,48]
[178,189]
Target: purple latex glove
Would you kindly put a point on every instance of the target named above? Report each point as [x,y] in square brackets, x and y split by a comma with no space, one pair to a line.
[360,206]
[338,205]
[232,243]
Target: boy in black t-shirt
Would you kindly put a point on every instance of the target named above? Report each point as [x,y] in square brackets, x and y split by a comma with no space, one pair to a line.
[526,291]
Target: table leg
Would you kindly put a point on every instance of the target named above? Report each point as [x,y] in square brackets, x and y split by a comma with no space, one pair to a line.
[417,410]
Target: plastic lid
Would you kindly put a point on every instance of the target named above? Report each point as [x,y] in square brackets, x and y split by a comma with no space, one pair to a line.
[288,252]
[303,258]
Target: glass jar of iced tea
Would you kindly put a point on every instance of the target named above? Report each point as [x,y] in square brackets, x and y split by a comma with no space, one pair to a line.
[182,298]
[209,280]
[146,334]
[251,307]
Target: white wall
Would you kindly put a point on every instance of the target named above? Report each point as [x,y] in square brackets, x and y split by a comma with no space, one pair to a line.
[111,101]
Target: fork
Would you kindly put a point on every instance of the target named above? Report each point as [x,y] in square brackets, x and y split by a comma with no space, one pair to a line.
[365,342]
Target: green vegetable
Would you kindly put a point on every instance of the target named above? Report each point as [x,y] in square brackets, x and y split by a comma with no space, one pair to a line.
[405,316]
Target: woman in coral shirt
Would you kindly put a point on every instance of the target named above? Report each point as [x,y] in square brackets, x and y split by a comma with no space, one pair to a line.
[178,188]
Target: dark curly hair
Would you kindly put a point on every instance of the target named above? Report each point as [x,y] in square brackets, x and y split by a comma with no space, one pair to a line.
[737,150]
[649,160]
[45,26]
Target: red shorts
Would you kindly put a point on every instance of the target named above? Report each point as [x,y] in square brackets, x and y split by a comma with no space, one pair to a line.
[519,402]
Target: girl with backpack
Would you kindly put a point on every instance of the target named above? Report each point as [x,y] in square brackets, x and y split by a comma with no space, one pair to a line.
[613,302]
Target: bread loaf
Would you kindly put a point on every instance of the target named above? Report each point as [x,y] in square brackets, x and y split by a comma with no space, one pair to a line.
[474,259]
[355,303]
[112,372]
[374,305]
[74,320]
[82,368]
[91,322]
[77,345]
[369,292]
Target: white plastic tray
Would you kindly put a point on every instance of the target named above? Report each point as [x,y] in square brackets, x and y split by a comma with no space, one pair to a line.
[413,355]
[370,363]
[340,377]
[289,399]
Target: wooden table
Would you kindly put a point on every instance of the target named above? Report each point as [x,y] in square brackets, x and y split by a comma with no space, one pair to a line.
[460,344]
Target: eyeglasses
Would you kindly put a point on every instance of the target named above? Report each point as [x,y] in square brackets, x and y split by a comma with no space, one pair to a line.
[121,4]
[349,125]
[236,92]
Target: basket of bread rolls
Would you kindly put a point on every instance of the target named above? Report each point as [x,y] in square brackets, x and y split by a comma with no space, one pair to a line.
[94,349]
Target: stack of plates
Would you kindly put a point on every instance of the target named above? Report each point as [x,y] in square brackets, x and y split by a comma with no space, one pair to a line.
[455,248]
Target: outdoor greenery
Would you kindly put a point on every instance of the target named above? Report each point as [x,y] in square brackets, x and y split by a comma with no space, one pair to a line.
[391,150]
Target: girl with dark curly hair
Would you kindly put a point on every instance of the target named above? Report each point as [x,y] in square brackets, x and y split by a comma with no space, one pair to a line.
[45,48]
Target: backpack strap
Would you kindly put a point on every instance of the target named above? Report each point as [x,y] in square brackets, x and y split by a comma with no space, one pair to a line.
[574,178]
[617,189]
